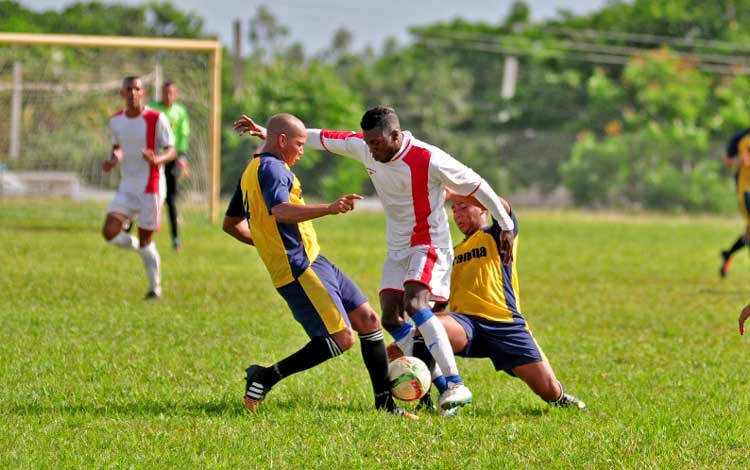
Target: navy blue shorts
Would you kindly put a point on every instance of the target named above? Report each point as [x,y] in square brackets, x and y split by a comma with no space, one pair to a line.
[321,298]
[508,345]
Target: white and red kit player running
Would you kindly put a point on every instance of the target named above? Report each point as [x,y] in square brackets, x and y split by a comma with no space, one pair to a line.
[138,135]
[410,178]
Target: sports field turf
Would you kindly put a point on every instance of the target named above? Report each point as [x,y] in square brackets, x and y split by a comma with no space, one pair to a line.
[628,308]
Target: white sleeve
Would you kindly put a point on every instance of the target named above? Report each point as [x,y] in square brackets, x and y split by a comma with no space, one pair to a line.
[113,133]
[463,180]
[489,199]
[456,176]
[347,143]
[164,135]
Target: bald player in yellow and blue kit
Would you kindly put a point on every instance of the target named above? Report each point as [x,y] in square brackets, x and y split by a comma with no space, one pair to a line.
[738,157]
[485,319]
[268,212]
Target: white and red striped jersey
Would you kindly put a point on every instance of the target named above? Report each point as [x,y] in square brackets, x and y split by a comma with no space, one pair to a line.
[148,130]
[410,186]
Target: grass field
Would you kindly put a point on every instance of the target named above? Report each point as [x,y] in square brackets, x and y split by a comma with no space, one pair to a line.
[629,310]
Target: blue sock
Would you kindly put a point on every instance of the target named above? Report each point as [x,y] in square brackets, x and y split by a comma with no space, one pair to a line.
[454,379]
[421,316]
[401,332]
[441,384]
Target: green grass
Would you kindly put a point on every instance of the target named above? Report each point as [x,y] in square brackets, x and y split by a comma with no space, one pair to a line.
[628,308]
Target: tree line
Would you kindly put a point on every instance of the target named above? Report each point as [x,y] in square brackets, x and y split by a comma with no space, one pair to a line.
[626,107]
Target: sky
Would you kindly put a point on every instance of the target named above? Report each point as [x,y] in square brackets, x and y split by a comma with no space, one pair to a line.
[313,22]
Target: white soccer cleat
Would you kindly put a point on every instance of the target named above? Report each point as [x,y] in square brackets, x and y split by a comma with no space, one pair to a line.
[456,395]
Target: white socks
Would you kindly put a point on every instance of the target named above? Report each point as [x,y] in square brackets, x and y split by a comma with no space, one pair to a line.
[152,264]
[126,241]
[436,340]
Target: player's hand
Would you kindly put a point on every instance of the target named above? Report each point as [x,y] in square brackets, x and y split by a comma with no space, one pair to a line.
[745,159]
[149,155]
[743,317]
[506,246]
[245,125]
[343,204]
[114,159]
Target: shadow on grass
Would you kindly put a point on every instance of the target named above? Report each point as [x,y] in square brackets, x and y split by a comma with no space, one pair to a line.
[170,408]
[136,408]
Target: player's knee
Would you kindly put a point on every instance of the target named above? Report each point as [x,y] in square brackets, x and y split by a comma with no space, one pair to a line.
[368,322]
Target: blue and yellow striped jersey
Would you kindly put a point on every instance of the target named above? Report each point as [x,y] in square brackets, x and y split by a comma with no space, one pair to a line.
[480,284]
[286,249]
[738,145]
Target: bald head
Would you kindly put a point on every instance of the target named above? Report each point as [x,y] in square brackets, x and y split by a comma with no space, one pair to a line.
[285,137]
[284,123]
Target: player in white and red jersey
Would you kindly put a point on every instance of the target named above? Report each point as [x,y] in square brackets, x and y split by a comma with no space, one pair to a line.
[142,141]
[410,178]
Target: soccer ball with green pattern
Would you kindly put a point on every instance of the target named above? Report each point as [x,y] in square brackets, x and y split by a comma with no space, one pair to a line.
[410,378]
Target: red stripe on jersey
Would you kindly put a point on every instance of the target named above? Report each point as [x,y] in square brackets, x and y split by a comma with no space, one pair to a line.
[405,149]
[337,135]
[118,113]
[475,189]
[428,265]
[418,160]
[152,118]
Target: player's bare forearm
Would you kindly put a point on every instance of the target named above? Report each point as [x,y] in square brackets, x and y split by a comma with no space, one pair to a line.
[288,213]
[167,156]
[238,228]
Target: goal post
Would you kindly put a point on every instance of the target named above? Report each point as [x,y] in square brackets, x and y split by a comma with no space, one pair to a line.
[102,76]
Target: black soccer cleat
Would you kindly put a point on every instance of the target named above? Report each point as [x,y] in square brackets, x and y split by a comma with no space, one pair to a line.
[151,295]
[569,401]
[425,403]
[726,261]
[255,390]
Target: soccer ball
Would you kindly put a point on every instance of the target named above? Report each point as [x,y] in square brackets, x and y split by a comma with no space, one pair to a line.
[410,378]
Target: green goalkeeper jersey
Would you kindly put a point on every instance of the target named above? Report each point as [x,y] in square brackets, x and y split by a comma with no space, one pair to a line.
[178,119]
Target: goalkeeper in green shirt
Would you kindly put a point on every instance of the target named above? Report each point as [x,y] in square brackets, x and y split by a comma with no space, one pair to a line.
[178,119]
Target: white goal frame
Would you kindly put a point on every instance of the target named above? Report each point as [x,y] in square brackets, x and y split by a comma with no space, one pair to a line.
[213,47]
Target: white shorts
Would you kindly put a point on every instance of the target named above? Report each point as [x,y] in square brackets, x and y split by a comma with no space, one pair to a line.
[146,207]
[424,264]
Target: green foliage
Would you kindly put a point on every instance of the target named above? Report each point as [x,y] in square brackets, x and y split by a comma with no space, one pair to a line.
[315,94]
[152,19]
[662,167]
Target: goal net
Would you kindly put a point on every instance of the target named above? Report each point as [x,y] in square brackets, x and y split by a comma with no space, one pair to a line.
[58,92]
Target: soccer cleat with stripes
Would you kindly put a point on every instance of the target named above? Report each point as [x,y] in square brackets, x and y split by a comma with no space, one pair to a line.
[457,394]
[255,390]
[569,401]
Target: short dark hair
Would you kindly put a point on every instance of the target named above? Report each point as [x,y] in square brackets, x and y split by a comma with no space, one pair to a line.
[168,83]
[381,117]
[128,79]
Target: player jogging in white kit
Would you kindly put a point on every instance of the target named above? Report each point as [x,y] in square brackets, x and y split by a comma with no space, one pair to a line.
[138,133]
[410,177]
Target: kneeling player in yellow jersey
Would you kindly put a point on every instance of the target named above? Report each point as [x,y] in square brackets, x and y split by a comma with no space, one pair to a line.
[485,318]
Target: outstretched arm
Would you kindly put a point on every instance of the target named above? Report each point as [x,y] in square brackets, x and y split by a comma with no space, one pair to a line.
[246,125]
[288,213]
